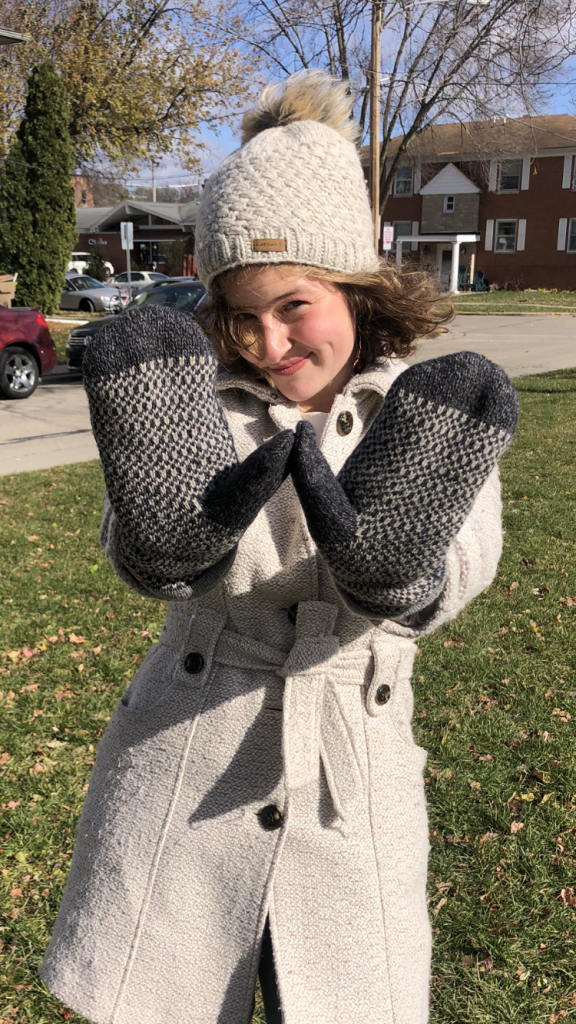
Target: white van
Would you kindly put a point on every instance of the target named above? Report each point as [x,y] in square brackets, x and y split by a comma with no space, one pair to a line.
[79,263]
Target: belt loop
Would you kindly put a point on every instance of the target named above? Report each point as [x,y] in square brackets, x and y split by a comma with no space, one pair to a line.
[315,618]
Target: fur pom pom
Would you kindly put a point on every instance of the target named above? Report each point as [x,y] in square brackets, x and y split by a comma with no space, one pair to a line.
[308,96]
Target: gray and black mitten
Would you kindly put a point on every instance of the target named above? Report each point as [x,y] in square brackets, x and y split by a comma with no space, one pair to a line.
[180,496]
[385,523]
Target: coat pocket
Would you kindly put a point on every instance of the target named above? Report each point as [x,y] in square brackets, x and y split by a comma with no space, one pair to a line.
[153,681]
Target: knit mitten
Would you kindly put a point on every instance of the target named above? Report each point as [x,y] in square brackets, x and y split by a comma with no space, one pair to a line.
[385,523]
[180,496]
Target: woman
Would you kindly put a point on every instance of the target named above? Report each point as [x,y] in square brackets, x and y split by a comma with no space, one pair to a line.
[309,511]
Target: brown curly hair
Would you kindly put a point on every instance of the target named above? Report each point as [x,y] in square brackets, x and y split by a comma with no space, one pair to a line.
[390,309]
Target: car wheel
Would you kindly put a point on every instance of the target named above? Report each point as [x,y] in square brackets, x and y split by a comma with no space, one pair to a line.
[19,373]
[86,306]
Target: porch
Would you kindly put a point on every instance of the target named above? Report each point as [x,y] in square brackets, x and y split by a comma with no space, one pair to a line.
[444,243]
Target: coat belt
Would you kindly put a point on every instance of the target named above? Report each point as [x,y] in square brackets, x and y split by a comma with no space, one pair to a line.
[314,727]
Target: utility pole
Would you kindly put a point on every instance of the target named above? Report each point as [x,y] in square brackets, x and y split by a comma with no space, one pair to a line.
[375,117]
[153,182]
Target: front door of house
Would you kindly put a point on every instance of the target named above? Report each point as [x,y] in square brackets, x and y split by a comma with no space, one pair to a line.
[445,267]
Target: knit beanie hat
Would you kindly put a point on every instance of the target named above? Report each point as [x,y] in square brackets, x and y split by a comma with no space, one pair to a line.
[295,191]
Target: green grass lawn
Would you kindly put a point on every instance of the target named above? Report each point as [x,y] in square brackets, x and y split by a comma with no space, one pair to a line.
[495,708]
[60,339]
[516,302]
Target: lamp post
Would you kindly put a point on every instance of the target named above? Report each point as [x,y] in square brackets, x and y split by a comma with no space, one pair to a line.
[375,118]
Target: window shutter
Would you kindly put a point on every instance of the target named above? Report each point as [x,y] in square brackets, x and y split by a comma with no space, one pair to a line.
[525,173]
[417,179]
[521,241]
[493,185]
[562,229]
[489,239]
[567,175]
[415,231]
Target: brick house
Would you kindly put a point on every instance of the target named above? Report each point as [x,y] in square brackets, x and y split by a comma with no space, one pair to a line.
[163,234]
[508,186]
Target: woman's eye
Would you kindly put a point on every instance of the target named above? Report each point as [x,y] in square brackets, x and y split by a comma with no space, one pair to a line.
[245,317]
[294,304]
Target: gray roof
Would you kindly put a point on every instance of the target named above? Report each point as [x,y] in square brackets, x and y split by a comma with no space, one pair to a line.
[89,216]
[98,218]
[7,36]
[475,140]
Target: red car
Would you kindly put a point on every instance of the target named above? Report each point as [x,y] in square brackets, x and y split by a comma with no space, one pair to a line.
[26,351]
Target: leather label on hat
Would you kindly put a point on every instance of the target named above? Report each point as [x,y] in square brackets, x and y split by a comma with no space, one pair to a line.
[268,245]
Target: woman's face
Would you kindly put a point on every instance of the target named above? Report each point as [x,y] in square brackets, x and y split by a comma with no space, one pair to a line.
[304,330]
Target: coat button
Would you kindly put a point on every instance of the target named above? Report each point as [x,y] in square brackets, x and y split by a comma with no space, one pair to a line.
[292,613]
[383,694]
[270,817]
[194,663]
[344,423]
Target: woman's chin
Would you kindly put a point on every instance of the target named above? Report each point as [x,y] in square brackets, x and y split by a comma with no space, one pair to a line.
[297,391]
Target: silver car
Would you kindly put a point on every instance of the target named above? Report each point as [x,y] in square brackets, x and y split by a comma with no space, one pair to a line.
[139,279]
[91,296]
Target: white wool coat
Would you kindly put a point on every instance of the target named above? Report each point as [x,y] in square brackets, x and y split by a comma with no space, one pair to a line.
[173,875]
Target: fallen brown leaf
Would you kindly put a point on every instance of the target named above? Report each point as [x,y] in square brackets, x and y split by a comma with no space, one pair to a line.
[516,826]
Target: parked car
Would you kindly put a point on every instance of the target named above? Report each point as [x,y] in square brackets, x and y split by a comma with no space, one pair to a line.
[79,263]
[183,295]
[89,295]
[139,279]
[27,351]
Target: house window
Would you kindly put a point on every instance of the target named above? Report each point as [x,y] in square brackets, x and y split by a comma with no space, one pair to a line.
[402,228]
[510,174]
[403,182]
[449,204]
[573,173]
[572,236]
[505,236]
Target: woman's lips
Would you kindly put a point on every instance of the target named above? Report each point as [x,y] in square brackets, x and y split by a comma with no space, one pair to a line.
[286,369]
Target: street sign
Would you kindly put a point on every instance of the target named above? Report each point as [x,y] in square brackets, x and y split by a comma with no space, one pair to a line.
[387,237]
[127,234]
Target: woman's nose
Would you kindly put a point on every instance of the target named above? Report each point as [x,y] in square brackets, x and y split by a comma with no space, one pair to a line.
[274,341]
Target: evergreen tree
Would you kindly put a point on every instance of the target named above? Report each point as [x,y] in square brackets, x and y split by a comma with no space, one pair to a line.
[96,265]
[39,222]
[16,238]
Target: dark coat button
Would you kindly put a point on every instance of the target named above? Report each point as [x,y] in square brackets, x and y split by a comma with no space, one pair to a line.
[344,423]
[270,817]
[292,613]
[194,663]
[383,694]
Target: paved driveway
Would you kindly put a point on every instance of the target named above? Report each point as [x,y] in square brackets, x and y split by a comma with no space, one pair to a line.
[520,344]
[52,427]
